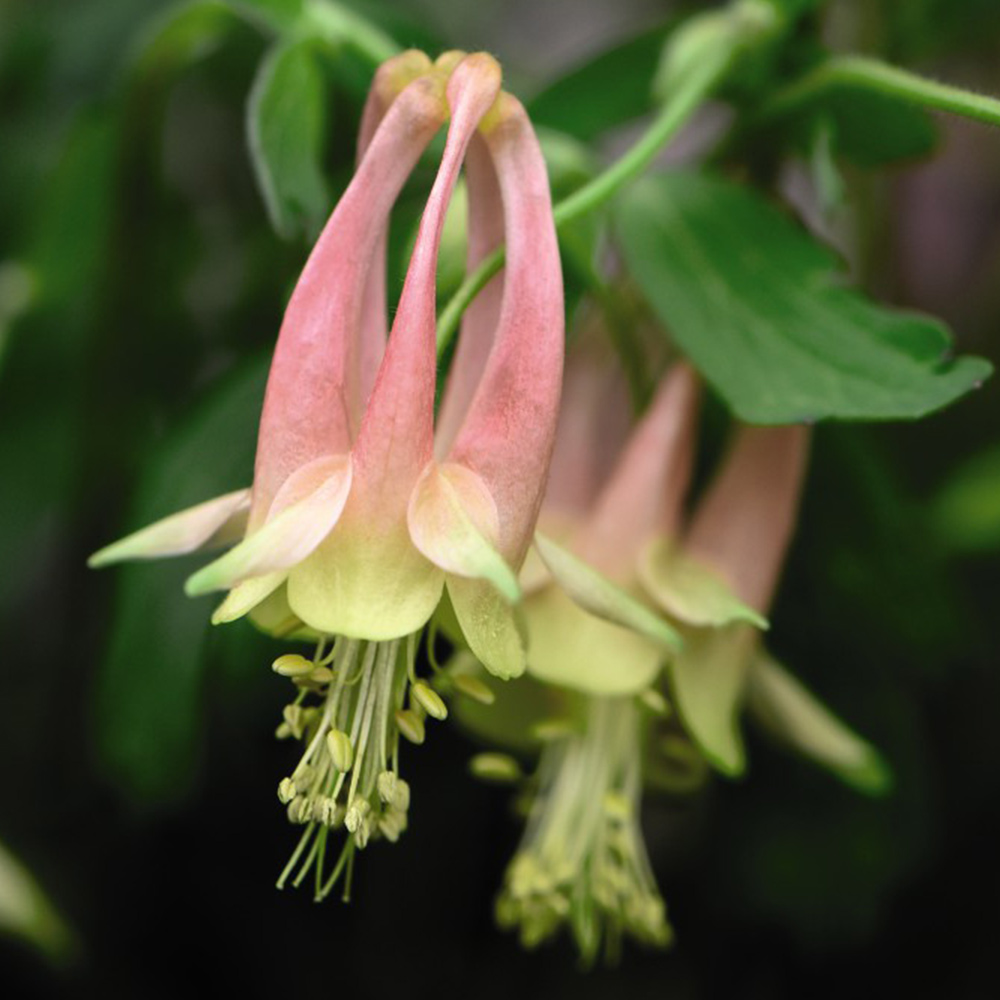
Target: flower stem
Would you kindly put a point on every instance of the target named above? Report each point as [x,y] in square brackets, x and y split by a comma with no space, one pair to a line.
[879,77]
[688,95]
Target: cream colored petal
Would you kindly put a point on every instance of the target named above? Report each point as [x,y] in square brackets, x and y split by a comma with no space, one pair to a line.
[571,648]
[708,678]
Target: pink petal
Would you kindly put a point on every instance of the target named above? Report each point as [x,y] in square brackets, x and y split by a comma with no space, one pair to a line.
[646,491]
[396,437]
[480,319]
[509,430]
[594,421]
[743,525]
[367,349]
[309,393]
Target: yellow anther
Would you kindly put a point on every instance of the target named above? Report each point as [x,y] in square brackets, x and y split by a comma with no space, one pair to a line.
[617,807]
[356,813]
[655,702]
[410,725]
[286,790]
[386,784]
[474,688]
[341,750]
[321,675]
[401,796]
[299,811]
[553,729]
[292,665]
[429,700]
[499,767]
[303,777]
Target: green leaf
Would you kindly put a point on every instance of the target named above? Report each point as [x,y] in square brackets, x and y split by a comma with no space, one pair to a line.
[759,307]
[583,103]
[286,117]
[148,696]
[868,128]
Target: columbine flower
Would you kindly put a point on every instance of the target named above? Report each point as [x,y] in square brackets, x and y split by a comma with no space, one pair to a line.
[582,861]
[720,580]
[358,519]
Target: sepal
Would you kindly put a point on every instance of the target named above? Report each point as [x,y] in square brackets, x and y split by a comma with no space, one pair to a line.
[304,512]
[783,706]
[690,590]
[595,593]
[708,680]
[213,523]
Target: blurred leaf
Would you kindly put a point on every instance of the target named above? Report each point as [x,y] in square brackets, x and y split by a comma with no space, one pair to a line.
[17,289]
[182,34]
[868,128]
[66,264]
[793,8]
[69,245]
[611,89]
[274,15]
[757,306]
[149,711]
[25,910]
[967,510]
[569,162]
[285,122]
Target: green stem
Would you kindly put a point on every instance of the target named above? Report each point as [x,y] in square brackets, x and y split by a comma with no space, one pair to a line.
[883,79]
[685,100]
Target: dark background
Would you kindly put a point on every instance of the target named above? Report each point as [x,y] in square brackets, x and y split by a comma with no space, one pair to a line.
[137,759]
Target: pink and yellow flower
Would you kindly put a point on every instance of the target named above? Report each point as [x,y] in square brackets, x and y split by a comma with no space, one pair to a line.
[626,556]
[361,515]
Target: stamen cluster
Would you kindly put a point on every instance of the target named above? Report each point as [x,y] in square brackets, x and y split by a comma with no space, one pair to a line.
[349,715]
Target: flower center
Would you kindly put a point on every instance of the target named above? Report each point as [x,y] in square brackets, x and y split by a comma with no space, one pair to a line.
[349,715]
[582,860]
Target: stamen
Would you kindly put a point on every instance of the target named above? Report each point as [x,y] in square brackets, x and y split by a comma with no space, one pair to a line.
[429,700]
[474,688]
[498,767]
[349,715]
[582,861]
